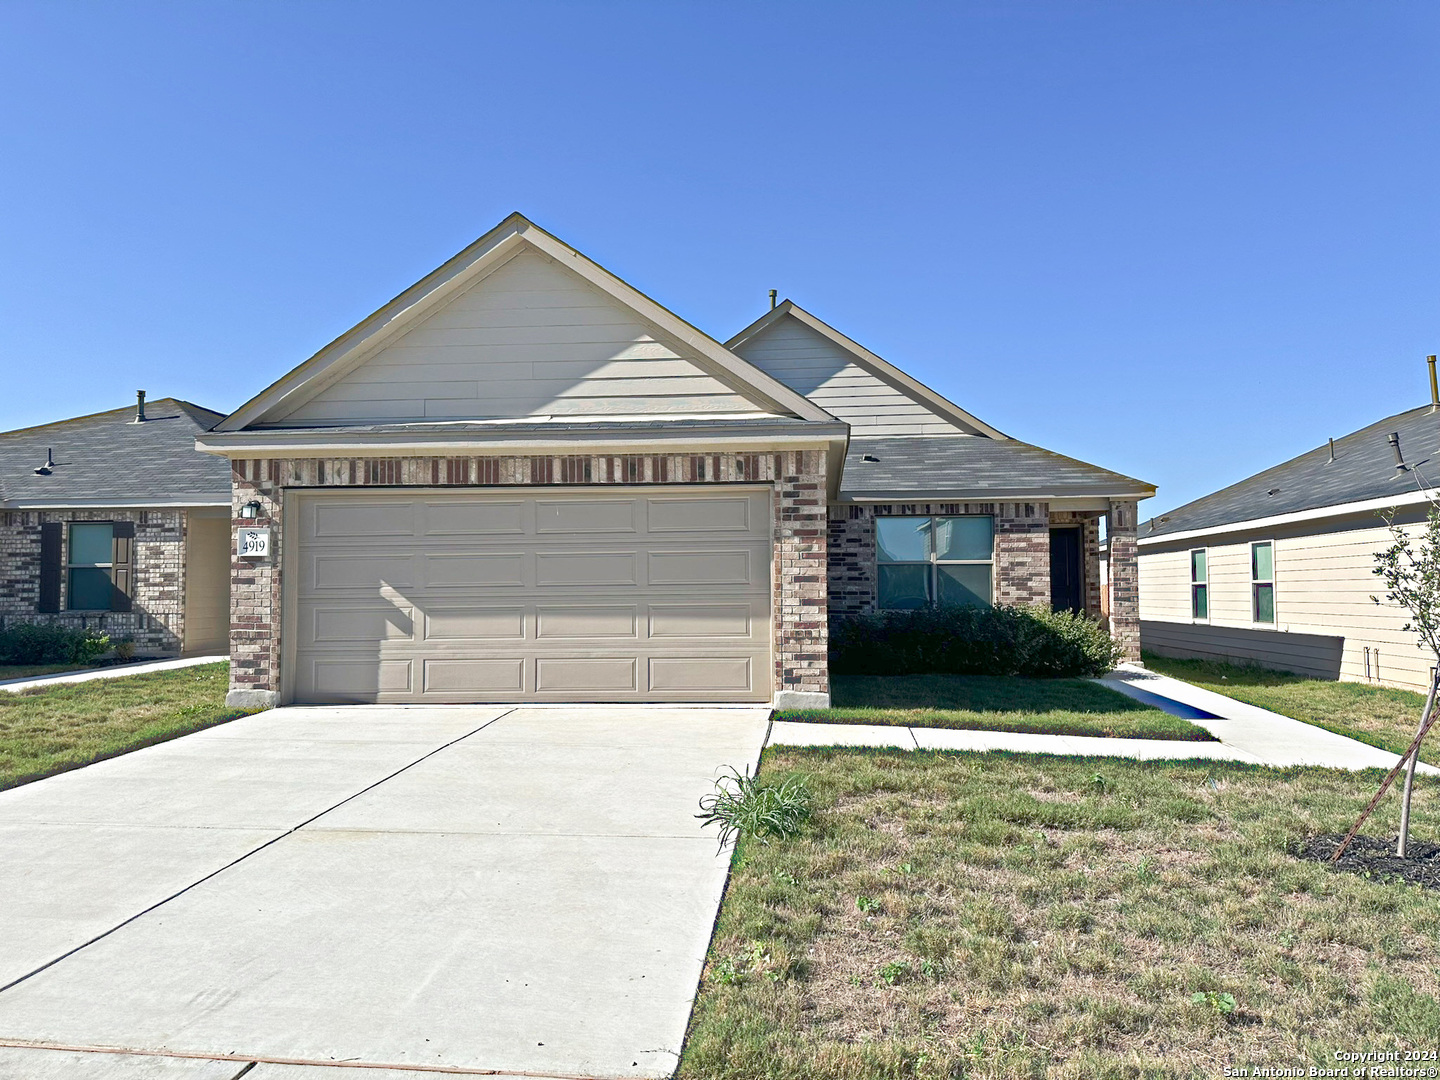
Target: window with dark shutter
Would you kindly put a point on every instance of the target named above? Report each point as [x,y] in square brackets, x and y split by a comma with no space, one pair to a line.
[122,558]
[51,534]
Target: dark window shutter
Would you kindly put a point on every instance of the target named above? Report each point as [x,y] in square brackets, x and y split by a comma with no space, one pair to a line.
[122,558]
[51,535]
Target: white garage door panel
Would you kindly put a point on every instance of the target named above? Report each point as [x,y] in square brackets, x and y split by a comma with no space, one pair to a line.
[424,595]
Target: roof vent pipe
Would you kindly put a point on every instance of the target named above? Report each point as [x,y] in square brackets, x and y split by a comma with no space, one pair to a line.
[1332,452]
[774,294]
[1434,386]
[139,406]
[1394,438]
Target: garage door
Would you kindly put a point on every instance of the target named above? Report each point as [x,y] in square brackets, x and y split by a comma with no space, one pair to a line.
[435,596]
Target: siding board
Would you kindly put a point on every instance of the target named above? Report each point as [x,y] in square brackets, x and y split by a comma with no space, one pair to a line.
[530,339]
[1324,581]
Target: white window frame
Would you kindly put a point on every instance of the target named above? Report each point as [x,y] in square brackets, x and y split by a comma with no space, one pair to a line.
[1199,584]
[1254,581]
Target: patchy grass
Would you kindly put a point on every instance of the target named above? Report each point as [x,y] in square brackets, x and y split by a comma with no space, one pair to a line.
[26,671]
[988,703]
[1378,715]
[993,915]
[54,728]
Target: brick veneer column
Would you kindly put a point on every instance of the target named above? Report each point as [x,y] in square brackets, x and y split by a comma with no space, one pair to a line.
[255,589]
[802,633]
[1124,577]
[799,600]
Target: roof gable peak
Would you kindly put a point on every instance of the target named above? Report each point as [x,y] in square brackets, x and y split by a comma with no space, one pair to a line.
[469,271]
[876,366]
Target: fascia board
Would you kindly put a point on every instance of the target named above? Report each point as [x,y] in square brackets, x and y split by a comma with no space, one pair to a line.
[485,254]
[736,372]
[326,443]
[990,495]
[1319,513]
[881,368]
[107,504]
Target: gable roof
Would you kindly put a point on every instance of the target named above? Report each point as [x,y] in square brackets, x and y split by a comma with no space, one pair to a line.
[106,459]
[1363,472]
[961,467]
[487,254]
[825,389]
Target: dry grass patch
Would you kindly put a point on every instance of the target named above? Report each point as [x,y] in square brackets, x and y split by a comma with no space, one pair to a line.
[993,915]
[50,729]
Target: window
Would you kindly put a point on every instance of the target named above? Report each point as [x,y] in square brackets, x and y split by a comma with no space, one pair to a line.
[1262,582]
[97,570]
[1199,585]
[934,562]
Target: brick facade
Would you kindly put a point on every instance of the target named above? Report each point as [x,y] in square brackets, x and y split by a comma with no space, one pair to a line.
[156,622]
[1124,577]
[1022,550]
[799,602]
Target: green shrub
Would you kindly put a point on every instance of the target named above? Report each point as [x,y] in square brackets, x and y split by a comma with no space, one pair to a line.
[1027,641]
[32,643]
[742,805]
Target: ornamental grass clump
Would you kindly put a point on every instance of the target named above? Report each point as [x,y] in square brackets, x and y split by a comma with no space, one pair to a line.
[743,805]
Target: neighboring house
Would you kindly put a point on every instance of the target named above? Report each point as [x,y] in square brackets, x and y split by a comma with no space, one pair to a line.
[1278,570]
[116,521]
[524,480]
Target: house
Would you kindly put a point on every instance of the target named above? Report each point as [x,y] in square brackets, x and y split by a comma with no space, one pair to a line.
[1278,570]
[116,521]
[522,479]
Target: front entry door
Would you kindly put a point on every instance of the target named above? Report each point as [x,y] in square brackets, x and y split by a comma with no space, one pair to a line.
[1067,589]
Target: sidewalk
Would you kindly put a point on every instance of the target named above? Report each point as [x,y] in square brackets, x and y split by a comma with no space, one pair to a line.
[1246,733]
[119,671]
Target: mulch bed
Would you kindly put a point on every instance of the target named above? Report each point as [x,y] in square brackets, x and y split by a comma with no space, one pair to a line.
[1374,857]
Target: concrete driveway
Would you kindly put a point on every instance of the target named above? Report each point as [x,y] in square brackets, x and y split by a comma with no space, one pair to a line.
[436,889]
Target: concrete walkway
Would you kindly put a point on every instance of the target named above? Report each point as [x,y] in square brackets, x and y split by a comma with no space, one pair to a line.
[1245,733]
[402,890]
[116,671]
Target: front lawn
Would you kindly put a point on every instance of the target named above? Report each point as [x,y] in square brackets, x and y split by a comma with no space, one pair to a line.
[1377,715]
[995,915]
[26,671]
[54,728]
[988,703]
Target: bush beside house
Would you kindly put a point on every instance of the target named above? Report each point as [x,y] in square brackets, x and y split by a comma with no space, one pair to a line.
[29,643]
[1027,641]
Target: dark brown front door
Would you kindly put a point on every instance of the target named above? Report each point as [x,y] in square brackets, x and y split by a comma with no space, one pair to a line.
[1067,587]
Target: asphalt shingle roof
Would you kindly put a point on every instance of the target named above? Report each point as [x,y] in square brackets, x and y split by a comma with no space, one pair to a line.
[107,456]
[973,467]
[1363,469]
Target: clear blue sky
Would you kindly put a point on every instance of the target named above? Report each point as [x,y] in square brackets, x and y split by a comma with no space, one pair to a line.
[1181,240]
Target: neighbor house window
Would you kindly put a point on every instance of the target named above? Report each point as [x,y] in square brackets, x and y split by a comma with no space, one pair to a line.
[97,569]
[1262,582]
[935,561]
[1199,585]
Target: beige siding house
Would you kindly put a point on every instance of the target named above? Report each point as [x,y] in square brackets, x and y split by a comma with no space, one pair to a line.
[524,480]
[1278,570]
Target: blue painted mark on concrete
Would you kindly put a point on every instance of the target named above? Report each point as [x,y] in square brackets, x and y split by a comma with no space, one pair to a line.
[1170,705]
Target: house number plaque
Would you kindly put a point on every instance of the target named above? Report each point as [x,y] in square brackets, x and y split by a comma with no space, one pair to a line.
[252,543]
